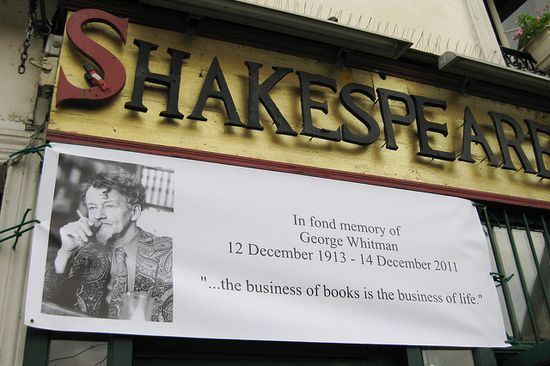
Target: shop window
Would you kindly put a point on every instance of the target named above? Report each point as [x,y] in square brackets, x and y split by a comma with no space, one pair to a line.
[448,358]
[77,353]
[198,352]
[520,245]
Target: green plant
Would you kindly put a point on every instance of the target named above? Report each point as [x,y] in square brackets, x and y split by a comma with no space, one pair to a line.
[530,26]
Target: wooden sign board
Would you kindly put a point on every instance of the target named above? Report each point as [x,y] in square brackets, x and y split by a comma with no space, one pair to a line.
[512,178]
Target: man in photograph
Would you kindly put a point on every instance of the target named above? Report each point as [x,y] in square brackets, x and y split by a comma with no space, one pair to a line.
[107,266]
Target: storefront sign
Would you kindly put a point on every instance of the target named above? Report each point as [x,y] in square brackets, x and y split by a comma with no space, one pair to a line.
[482,145]
[215,251]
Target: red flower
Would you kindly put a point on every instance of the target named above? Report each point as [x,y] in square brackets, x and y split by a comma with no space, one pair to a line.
[518,34]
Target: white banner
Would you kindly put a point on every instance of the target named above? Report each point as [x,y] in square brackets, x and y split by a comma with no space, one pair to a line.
[140,244]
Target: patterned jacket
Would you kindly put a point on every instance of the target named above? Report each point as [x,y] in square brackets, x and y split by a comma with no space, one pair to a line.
[83,287]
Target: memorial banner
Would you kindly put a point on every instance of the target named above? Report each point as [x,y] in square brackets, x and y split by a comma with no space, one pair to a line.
[139,244]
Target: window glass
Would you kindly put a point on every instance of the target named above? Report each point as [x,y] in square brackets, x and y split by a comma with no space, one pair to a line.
[448,358]
[77,353]
[543,256]
[500,293]
[533,281]
[514,285]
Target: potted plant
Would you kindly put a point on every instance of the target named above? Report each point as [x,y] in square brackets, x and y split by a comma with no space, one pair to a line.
[533,37]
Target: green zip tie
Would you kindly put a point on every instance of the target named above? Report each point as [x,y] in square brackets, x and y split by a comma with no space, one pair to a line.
[500,278]
[18,232]
[512,341]
[32,150]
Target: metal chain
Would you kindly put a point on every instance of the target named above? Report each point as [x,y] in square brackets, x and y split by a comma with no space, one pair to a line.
[26,45]
[28,35]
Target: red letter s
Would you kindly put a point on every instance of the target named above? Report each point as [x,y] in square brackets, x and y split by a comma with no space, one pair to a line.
[113,71]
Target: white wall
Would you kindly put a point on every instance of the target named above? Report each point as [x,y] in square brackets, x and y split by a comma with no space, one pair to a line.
[434,26]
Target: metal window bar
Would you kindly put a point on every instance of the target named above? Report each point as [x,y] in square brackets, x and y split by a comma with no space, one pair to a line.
[521,276]
[528,257]
[537,263]
[500,269]
[545,232]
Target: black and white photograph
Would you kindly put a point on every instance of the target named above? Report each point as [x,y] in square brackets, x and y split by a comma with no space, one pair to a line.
[109,255]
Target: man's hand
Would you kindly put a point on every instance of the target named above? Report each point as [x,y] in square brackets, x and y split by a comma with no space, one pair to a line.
[74,236]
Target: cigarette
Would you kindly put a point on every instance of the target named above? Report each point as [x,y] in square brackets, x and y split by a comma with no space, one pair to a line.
[79,213]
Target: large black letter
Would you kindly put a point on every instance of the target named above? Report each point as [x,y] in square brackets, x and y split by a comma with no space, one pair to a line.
[424,126]
[360,114]
[259,93]
[388,117]
[172,81]
[470,124]
[307,79]
[215,73]
[515,143]
[534,129]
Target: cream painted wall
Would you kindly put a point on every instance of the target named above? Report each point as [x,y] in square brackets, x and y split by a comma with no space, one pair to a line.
[17,100]
[17,92]
[434,26]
